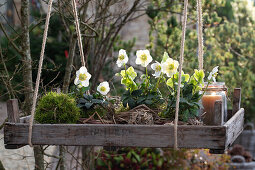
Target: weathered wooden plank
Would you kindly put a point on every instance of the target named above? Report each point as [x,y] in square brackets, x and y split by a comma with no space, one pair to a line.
[236,101]
[13,116]
[218,113]
[13,110]
[234,127]
[117,135]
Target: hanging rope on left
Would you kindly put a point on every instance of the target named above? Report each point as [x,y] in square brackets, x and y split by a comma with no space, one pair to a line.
[184,23]
[39,73]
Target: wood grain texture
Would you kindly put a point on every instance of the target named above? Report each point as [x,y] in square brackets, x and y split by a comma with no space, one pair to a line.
[218,113]
[217,138]
[234,127]
[13,116]
[236,101]
[13,111]
[117,135]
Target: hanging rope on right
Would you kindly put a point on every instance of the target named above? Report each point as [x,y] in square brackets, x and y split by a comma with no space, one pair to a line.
[200,34]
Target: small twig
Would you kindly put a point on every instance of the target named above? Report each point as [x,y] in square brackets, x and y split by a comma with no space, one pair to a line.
[75,158]
[9,39]
[89,118]
[53,79]
[100,118]
[113,118]
[53,156]
[14,4]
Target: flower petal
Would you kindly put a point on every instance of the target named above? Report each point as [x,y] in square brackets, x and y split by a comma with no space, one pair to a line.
[83,70]
[85,83]
[76,81]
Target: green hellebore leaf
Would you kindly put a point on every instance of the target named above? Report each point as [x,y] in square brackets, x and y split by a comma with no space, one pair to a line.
[131,72]
[170,83]
[125,81]
[88,105]
[123,73]
[165,57]
[185,78]
[199,76]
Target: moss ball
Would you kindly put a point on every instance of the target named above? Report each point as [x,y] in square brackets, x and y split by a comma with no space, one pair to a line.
[55,108]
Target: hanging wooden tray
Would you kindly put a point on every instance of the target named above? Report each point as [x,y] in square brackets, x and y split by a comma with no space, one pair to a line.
[217,137]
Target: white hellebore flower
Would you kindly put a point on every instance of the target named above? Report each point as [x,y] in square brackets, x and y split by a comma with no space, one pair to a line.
[103,88]
[143,57]
[122,58]
[169,67]
[157,68]
[213,74]
[82,77]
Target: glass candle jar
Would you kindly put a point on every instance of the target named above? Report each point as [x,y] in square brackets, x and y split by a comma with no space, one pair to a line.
[215,91]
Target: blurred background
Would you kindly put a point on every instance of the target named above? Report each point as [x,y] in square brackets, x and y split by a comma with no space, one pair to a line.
[106,27]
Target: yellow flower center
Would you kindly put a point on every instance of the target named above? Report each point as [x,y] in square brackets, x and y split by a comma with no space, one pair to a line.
[170,67]
[143,57]
[158,68]
[102,88]
[121,57]
[82,77]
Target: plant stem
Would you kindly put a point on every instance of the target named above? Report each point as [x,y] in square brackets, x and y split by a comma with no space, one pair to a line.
[167,85]
[156,87]
[205,90]
[147,80]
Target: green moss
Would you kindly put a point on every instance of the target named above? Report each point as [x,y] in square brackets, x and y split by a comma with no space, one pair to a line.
[55,108]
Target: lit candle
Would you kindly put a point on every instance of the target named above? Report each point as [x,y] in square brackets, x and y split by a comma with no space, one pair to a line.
[208,104]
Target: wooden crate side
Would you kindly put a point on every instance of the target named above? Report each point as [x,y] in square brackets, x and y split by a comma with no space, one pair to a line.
[117,135]
[234,127]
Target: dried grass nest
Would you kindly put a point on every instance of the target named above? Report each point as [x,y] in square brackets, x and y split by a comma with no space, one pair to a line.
[142,115]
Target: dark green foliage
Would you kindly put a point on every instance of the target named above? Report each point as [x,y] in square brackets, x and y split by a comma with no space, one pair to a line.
[151,12]
[57,108]
[54,62]
[157,159]
[189,104]
[228,42]
[92,103]
[131,158]
[137,97]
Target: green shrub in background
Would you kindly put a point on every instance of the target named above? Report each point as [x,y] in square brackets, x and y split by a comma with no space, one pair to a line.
[57,108]
[229,41]
[154,158]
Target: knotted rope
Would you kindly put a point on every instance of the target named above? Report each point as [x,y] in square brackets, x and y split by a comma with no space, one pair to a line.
[39,73]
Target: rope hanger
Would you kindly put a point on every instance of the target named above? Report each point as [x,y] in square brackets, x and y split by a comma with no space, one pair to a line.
[200,58]
[41,61]
[184,23]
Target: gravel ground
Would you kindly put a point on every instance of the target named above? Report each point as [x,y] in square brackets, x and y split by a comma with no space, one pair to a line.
[18,159]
